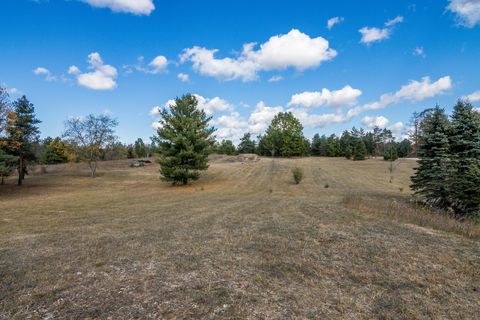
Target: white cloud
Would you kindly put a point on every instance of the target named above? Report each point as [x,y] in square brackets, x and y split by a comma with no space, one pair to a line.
[261,117]
[205,63]
[41,71]
[336,98]
[394,21]
[231,126]
[315,121]
[102,76]
[375,121]
[398,130]
[292,50]
[213,105]
[473,97]
[370,35]
[183,77]
[467,11]
[73,70]
[275,79]
[413,91]
[333,21]
[419,51]
[138,7]
[158,65]
[13,91]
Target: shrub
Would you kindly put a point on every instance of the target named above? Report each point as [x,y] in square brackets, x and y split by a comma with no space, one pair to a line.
[297,175]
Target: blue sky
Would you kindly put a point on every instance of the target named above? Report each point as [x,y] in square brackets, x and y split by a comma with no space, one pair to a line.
[375,64]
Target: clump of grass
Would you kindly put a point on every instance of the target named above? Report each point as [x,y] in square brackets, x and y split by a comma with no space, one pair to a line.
[297,175]
[326,186]
[410,212]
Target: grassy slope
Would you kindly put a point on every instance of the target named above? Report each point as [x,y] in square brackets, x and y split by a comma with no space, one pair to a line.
[243,242]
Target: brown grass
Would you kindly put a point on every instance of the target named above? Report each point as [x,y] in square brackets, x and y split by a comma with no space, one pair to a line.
[244,242]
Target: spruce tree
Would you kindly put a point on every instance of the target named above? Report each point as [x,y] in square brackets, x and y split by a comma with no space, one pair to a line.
[431,180]
[360,151]
[185,138]
[465,149]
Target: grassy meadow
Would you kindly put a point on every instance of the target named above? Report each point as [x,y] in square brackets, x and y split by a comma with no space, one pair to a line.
[243,242]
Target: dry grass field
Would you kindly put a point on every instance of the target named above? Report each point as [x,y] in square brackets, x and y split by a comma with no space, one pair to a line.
[243,242]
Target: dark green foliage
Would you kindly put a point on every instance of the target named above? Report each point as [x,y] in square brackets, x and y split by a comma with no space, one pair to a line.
[465,150]
[247,145]
[284,137]
[185,138]
[21,133]
[319,145]
[7,165]
[432,177]
[140,148]
[226,147]
[55,151]
[297,175]
[333,146]
[404,148]
[360,151]
[390,153]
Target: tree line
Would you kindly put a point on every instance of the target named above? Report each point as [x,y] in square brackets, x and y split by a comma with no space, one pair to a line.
[447,176]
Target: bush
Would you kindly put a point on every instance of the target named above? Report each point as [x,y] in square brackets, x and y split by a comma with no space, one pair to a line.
[297,175]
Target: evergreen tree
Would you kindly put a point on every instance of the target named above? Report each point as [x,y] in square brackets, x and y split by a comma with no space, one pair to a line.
[404,148]
[247,145]
[431,179]
[7,164]
[140,149]
[21,132]
[360,151]
[391,153]
[347,143]
[184,140]
[226,147]
[284,137]
[333,146]
[55,151]
[465,149]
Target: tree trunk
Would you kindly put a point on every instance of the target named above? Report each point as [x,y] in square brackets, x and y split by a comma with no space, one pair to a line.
[93,168]
[20,170]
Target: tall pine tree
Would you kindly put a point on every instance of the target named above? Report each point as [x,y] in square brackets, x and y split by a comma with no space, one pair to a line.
[184,140]
[21,132]
[432,177]
[465,149]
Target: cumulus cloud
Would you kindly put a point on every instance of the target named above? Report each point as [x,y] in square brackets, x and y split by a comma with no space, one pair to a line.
[231,127]
[158,65]
[413,91]
[261,117]
[467,12]
[373,34]
[473,97]
[101,77]
[292,50]
[336,98]
[420,52]
[183,77]
[370,35]
[333,21]
[41,71]
[398,130]
[375,122]
[316,121]
[137,7]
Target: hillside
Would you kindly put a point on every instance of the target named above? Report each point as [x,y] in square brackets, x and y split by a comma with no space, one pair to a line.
[243,242]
